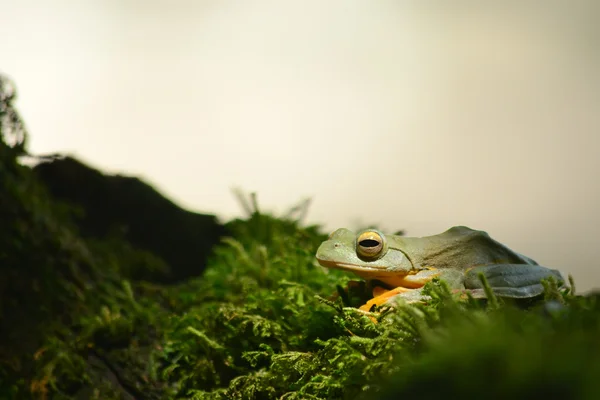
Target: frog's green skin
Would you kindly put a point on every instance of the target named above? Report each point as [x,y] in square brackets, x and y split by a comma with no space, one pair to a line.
[456,256]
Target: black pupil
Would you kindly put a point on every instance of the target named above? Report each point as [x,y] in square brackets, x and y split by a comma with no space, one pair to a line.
[369,243]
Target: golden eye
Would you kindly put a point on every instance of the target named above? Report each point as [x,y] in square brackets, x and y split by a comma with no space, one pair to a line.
[369,244]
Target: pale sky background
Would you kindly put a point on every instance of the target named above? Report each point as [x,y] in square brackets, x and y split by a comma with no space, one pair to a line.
[415,117]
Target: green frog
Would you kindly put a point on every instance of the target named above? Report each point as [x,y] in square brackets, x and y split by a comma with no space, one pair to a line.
[398,266]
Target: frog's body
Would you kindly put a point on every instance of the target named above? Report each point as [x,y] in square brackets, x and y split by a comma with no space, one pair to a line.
[405,264]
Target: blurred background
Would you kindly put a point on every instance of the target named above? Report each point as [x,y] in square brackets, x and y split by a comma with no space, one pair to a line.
[407,115]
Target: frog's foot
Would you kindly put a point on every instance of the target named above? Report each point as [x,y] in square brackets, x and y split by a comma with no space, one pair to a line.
[382,296]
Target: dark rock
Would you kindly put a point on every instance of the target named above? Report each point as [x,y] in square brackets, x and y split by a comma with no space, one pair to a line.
[136,211]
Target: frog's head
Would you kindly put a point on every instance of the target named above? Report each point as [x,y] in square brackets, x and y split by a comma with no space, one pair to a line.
[368,254]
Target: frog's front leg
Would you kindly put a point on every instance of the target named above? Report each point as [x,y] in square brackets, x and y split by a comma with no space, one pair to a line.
[411,286]
[382,296]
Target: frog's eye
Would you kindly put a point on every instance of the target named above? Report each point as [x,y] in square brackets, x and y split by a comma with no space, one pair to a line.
[369,244]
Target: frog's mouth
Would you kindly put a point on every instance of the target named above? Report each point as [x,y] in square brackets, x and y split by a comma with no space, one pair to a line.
[380,269]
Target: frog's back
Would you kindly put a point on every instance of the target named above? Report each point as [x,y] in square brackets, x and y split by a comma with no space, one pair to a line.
[462,247]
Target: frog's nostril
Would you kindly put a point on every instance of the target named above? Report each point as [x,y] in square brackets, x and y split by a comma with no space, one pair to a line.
[336,245]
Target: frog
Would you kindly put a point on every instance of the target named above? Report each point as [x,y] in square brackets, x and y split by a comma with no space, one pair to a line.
[398,267]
